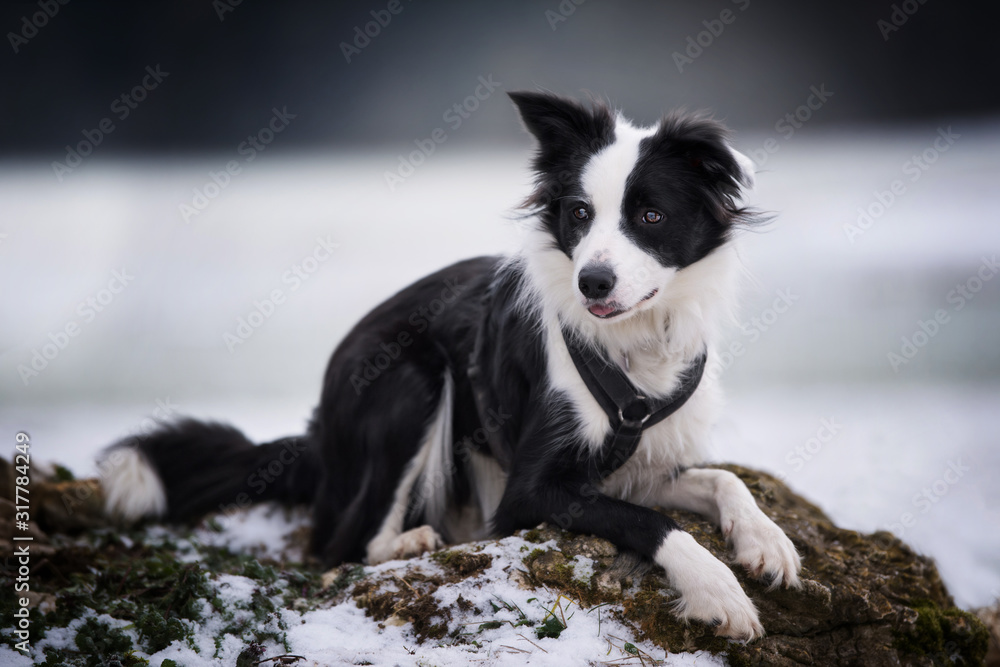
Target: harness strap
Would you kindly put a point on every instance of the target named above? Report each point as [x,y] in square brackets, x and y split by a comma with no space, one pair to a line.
[629,411]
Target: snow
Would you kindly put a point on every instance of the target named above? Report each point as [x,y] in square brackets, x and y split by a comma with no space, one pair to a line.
[157,349]
[262,530]
[343,634]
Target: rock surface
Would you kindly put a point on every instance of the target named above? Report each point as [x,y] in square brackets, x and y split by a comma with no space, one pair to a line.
[866,599]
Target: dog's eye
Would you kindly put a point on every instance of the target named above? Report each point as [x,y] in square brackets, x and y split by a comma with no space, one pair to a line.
[652,217]
[581,213]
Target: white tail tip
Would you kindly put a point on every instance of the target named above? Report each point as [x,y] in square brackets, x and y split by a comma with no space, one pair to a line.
[132,489]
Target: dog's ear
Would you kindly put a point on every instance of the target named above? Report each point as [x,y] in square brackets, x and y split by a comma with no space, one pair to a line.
[725,174]
[705,143]
[562,125]
[716,160]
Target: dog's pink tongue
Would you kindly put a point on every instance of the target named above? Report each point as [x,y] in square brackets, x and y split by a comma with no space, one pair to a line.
[601,311]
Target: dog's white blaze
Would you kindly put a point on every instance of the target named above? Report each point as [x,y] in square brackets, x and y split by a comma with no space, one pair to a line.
[709,590]
[604,181]
[132,489]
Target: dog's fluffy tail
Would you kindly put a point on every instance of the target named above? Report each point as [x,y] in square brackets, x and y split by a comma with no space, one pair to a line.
[189,468]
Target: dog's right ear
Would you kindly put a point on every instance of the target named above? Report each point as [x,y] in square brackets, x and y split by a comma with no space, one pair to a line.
[563,125]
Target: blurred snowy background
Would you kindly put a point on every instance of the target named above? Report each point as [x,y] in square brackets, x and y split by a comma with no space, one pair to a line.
[867,372]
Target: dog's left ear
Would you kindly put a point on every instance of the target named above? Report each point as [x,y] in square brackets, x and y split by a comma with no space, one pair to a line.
[723,166]
[562,126]
[705,143]
[726,174]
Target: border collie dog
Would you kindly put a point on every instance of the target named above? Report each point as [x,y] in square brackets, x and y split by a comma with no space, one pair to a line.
[563,384]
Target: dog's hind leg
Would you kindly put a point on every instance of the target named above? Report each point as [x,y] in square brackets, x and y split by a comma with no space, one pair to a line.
[337,535]
[422,491]
[391,542]
[760,545]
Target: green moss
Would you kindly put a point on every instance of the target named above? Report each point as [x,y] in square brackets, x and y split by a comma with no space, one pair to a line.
[532,557]
[99,644]
[253,569]
[554,570]
[534,535]
[552,627]
[944,635]
[250,656]
[149,586]
[158,632]
[258,628]
[63,474]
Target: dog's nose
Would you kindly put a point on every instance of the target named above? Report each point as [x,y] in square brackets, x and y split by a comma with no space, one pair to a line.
[596,282]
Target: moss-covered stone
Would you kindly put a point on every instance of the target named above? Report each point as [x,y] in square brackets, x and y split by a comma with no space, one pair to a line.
[866,599]
[533,535]
[462,561]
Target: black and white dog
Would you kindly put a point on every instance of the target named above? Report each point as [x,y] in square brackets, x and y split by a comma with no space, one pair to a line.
[564,384]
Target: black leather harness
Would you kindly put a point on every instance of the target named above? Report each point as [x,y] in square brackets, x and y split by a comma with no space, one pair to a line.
[629,411]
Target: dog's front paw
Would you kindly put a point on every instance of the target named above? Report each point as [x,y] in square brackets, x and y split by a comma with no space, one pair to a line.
[764,550]
[709,590]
